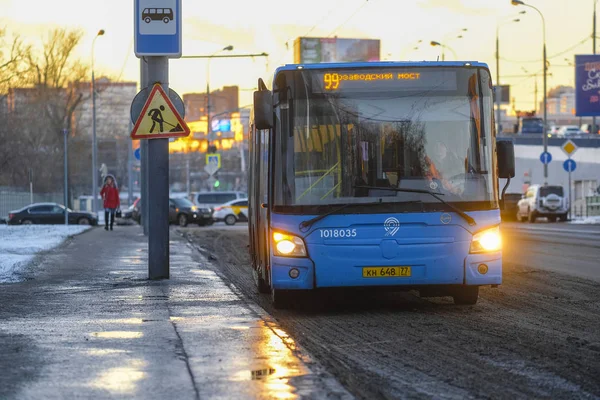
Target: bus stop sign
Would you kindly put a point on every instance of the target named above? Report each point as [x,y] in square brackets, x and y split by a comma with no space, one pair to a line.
[157,28]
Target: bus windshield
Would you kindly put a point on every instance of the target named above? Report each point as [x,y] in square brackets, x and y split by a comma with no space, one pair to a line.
[351,135]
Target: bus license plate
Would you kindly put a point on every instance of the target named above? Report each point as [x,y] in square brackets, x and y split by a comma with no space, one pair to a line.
[385,272]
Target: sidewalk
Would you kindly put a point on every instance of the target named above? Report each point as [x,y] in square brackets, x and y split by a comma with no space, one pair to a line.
[90,325]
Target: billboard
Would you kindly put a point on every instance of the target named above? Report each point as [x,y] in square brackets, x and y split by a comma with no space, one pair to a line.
[587,85]
[321,50]
[502,93]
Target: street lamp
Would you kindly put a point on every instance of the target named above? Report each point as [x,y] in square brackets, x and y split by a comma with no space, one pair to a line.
[545,69]
[498,114]
[594,128]
[94,144]
[208,127]
[443,46]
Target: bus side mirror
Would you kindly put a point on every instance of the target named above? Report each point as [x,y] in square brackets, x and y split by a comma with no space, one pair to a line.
[263,109]
[506,159]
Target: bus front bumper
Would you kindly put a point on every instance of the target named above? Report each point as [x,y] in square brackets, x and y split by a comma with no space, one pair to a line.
[300,274]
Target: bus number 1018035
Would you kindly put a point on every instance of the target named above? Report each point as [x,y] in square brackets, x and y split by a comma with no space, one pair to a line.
[338,233]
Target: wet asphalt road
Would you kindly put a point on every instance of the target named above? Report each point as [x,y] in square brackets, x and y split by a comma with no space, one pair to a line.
[566,248]
[536,336]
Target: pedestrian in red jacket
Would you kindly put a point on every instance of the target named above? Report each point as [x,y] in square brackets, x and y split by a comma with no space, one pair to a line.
[110,196]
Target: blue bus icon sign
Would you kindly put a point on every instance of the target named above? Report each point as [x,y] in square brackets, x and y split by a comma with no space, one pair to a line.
[157,25]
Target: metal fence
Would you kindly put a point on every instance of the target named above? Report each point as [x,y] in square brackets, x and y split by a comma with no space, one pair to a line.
[591,208]
[13,200]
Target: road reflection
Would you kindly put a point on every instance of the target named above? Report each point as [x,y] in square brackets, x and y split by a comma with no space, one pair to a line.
[121,380]
[274,364]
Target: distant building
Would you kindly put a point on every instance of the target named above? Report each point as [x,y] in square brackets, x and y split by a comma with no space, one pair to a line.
[223,100]
[113,102]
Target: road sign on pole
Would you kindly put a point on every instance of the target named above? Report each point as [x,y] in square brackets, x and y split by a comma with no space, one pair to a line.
[214,159]
[140,99]
[569,165]
[159,118]
[157,28]
[137,153]
[569,148]
[545,157]
[211,169]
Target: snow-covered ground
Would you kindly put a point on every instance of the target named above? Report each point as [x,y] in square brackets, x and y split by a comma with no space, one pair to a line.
[19,245]
[587,220]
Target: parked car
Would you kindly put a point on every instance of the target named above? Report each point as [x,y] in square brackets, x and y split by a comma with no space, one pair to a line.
[214,199]
[181,211]
[231,212]
[511,200]
[136,212]
[128,212]
[184,212]
[569,130]
[543,201]
[554,130]
[587,128]
[50,213]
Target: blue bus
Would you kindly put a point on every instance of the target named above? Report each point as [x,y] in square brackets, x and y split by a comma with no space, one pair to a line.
[381,175]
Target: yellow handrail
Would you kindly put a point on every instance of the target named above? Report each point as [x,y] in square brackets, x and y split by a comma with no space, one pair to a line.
[317,181]
[332,189]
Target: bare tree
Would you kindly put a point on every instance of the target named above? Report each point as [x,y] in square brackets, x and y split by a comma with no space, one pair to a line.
[47,103]
[13,68]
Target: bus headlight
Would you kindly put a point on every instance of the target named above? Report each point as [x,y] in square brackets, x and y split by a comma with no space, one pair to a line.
[288,245]
[486,241]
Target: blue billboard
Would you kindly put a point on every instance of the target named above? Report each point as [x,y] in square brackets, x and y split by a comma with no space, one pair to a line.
[587,85]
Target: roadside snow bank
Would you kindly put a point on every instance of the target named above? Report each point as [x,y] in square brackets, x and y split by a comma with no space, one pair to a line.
[20,244]
[587,220]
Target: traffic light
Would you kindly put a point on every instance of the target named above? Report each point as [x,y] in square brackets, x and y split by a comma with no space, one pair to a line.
[212,148]
[216,184]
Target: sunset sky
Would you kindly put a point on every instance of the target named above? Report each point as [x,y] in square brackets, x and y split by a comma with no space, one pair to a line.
[265,26]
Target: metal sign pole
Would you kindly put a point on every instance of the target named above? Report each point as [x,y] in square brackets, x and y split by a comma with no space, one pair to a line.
[144,157]
[66,171]
[30,186]
[130,168]
[158,186]
[570,196]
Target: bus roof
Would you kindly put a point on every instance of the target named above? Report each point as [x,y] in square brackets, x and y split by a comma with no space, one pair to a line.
[376,64]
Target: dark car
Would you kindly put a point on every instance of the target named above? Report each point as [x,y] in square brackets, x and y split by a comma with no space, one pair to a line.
[49,213]
[136,211]
[181,211]
[128,212]
[510,206]
[184,212]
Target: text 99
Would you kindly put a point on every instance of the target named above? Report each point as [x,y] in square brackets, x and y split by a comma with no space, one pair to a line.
[332,81]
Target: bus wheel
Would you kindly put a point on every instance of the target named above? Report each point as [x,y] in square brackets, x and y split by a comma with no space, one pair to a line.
[281,299]
[466,295]
[261,284]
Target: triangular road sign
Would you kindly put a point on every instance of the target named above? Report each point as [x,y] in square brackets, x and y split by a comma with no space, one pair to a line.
[159,118]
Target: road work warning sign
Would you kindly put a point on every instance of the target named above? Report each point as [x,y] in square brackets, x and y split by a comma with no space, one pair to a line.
[159,118]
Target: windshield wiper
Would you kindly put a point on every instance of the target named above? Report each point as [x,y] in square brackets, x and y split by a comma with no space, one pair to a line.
[457,210]
[304,225]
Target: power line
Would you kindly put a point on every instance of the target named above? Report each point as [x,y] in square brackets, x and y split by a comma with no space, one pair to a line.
[349,18]
[551,56]
[126,59]
[322,19]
